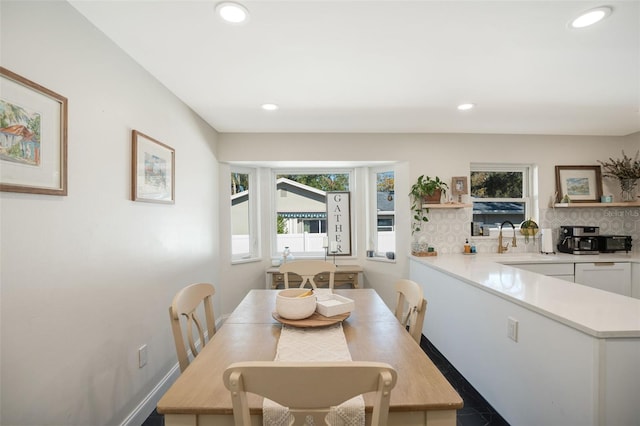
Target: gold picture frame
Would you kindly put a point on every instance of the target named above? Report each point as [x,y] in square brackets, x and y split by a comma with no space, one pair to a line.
[33,146]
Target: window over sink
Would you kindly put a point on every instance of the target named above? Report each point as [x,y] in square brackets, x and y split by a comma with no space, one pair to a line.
[501,192]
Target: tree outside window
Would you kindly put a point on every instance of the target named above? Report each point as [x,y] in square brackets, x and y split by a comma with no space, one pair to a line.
[500,193]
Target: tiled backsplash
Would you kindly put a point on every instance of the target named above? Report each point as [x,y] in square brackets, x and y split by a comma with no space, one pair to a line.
[447,229]
[611,220]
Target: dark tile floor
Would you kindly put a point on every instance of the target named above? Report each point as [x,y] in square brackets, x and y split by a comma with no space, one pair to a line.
[476,412]
[154,419]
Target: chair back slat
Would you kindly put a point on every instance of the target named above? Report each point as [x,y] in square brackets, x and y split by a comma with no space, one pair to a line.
[411,307]
[185,305]
[307,270]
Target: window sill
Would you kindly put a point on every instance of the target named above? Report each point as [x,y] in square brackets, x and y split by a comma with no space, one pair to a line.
[451,205]
[249,260]
[381,259]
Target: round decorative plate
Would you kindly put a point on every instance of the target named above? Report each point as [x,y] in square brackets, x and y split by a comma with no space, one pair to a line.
[315,320]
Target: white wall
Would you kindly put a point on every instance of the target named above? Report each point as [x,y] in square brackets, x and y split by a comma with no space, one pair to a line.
[631,144]
[86,279]
[445,155]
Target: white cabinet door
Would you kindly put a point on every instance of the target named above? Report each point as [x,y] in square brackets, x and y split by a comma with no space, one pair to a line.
[609,276]
[563,271]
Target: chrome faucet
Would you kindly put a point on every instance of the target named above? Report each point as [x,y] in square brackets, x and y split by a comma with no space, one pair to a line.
[501,248]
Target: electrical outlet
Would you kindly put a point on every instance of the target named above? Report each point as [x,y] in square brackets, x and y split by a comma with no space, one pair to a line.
[512,329]
[142,356]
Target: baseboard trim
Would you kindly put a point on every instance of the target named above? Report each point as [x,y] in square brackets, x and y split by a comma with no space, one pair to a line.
[148,404]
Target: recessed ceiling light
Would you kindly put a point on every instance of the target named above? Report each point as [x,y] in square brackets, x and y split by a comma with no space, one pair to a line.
[270,107]
[466,107]
[590,17]
[233,13]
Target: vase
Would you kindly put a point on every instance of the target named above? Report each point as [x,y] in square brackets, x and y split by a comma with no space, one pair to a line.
[628,187]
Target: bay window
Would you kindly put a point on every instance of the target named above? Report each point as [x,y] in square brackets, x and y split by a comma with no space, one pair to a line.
[382,223]
[301,208]
[244,242]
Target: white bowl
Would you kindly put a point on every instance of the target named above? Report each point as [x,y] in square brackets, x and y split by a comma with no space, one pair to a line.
[289,306]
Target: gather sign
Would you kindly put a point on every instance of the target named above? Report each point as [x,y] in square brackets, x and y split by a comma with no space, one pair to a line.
[339,223]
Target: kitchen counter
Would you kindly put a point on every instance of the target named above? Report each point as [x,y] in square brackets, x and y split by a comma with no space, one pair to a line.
[512,258]
[541,350]
[595,312]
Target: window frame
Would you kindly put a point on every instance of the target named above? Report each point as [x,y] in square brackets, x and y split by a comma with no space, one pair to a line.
[528,174]
[273,225]
[254,252]
[372,219]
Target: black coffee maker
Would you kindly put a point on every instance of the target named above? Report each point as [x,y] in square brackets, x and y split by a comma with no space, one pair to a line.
[578,239]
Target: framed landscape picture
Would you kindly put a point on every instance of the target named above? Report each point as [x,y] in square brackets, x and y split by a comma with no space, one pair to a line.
[582,184]
[153,170]
[33,137]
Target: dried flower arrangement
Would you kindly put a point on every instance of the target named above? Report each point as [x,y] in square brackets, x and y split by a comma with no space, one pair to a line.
[627,171]
[625,168]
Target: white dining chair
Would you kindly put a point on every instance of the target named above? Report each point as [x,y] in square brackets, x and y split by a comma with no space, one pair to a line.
[184,305]
[307,270]
[411,307]
[309,389]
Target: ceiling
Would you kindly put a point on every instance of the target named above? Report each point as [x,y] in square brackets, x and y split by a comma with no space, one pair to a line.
[389,66]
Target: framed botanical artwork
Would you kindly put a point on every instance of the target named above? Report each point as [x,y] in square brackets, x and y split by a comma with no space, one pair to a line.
[339,223]
[581,184]
[153,170]
[459,185]
[33,137]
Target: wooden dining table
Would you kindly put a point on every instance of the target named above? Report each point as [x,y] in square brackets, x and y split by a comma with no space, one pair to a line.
[422,395]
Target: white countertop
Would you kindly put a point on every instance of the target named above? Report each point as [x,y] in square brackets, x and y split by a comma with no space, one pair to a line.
[514,258]
[598,313]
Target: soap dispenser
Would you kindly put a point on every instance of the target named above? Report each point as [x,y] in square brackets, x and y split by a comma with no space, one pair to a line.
[467,246]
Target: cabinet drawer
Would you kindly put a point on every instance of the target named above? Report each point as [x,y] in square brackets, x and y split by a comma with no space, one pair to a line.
[278,279]
[344,277]
[546,268]
[608,276]
[322,279]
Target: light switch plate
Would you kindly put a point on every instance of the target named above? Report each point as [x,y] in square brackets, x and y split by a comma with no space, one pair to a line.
[512,329]
[142,356]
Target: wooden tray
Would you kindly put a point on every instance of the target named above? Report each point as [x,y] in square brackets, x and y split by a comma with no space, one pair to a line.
[315,320]
[424,253]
